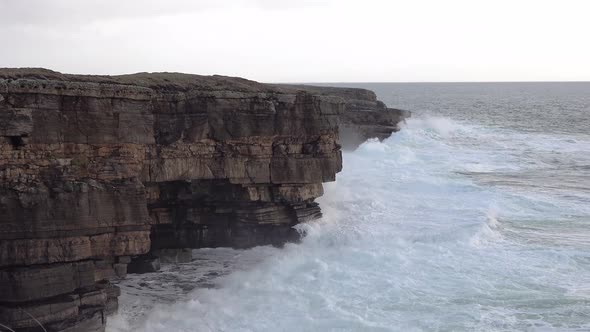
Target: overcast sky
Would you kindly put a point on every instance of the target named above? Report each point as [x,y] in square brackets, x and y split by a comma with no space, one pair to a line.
[305,40]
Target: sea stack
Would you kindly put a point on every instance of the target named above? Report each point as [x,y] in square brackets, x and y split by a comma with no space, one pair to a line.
[98,173]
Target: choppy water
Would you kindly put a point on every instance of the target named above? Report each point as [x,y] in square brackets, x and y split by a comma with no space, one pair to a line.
[475,217]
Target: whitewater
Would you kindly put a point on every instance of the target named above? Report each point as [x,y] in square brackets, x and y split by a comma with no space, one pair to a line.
[448,225]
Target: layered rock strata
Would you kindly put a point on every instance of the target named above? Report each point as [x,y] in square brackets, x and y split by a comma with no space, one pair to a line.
[97,171]
[364,116]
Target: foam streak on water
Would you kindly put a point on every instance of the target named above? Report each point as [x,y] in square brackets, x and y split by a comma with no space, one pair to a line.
[442,227]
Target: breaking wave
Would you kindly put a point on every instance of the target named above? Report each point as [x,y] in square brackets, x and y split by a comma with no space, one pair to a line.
[426,231]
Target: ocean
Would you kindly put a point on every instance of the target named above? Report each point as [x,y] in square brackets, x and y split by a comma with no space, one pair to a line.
[474,217]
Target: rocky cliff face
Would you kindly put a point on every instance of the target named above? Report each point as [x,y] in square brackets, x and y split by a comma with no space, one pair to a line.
[363,117]
[96,171]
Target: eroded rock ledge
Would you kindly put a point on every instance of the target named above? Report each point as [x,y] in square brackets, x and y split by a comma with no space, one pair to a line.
[363,117]
[96,171]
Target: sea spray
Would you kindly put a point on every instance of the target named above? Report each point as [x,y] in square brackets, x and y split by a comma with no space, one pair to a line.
[414,237]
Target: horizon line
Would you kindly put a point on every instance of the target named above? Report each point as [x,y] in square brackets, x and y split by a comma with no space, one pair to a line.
[422,82]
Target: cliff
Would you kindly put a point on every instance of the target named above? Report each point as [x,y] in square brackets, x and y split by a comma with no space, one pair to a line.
[100,172]
[363,117]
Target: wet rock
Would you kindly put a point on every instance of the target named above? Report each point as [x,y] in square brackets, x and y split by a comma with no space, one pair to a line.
[144,264]
[44,312]
[23,284]
[182,255]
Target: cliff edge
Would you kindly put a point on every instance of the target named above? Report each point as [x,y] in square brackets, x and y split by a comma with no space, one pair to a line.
[363,116]
[99,172]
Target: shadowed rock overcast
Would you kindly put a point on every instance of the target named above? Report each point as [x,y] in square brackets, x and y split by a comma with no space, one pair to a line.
[303,41]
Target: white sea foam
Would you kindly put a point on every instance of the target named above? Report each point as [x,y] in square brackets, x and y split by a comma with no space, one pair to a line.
[409,242]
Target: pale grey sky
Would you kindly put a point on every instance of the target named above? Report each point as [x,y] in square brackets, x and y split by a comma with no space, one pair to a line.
[304,41]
